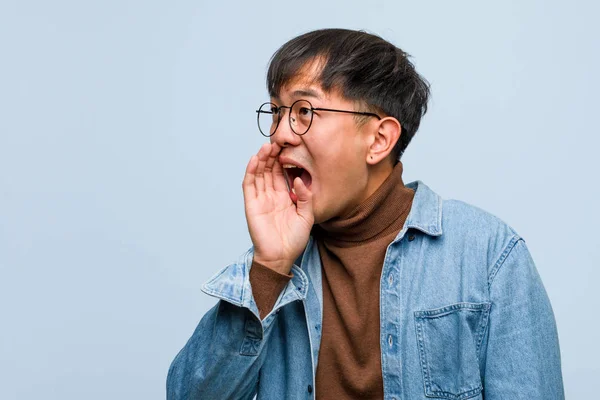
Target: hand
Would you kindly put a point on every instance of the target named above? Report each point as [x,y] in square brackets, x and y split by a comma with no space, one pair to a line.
[279,229]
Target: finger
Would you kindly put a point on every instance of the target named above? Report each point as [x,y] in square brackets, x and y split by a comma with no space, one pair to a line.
[304,205]
[259,180]
[248,184]
[279,179]
[274,152]
[272,158]
[278,176]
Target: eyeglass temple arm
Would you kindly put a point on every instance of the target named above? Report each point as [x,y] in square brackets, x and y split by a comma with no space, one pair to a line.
[347,112]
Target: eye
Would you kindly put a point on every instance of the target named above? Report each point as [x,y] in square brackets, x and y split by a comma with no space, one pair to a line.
[274,110]
[305,112]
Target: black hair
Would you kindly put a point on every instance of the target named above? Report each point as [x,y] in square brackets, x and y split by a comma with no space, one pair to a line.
[364,68]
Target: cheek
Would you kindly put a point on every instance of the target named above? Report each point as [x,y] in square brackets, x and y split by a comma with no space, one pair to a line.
[337,160]
[338,179]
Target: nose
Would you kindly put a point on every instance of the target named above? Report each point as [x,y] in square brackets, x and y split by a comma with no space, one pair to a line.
[284,136]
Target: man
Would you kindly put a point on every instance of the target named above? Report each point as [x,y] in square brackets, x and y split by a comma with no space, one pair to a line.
[358,286]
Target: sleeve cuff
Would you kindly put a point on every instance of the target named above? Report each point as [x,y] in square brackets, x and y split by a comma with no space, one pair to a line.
[266,284]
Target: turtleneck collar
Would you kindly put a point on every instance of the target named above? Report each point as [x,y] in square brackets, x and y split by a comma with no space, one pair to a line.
[376,216]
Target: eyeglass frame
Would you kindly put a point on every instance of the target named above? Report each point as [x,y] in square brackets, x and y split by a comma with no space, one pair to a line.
[312,109]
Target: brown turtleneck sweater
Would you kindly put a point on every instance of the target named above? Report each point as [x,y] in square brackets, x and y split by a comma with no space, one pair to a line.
[352,248]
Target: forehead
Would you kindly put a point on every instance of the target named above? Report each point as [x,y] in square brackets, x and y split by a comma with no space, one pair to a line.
[304,84]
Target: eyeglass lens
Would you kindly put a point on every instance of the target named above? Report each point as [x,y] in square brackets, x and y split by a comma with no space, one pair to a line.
[300,117]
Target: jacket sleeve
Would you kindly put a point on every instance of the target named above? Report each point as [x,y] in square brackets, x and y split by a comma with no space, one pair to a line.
[523,355]
[223,357]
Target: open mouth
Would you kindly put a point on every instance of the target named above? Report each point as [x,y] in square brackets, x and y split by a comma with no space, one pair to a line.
[292,172]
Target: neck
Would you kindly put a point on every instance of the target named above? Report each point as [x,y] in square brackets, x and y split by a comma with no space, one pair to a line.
[374,216]
[378,174]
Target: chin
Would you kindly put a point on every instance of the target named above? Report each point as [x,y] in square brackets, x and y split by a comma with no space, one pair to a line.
[318,218]
[318,214]
[322,215]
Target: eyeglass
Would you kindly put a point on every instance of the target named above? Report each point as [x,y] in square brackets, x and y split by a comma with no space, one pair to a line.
[300,116]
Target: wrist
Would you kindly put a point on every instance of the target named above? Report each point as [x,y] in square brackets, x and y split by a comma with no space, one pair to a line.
[281,266]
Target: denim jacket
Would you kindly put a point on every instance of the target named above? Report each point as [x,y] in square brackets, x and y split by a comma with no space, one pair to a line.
[463,315]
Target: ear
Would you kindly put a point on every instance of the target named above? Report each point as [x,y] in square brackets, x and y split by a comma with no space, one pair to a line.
[383,140]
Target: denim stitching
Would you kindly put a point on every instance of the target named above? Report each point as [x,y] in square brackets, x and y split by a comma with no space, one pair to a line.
[507,250]
[483,310]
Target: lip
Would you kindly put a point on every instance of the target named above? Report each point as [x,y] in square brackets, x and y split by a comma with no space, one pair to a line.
[286,160]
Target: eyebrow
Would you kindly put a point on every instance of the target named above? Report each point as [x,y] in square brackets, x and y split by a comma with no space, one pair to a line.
[303,93]
[306,93]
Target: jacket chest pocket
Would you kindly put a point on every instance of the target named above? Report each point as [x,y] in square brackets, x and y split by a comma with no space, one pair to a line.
[449,340]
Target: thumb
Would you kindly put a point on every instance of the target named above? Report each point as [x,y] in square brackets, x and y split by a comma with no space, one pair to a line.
[304,205]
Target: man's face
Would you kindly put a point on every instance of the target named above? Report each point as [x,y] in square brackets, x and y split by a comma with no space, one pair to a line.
[333,152]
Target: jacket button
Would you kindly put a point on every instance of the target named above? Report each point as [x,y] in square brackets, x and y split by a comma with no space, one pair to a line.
[309,388]
[411,238]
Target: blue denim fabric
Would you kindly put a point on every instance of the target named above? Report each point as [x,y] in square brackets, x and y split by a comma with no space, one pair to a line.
[464,315]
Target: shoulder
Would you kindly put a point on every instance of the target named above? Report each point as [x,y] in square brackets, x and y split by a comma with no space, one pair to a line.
[474,229]
[460,214]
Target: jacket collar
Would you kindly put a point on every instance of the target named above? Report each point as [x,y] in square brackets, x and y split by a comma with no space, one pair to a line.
[426,210]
